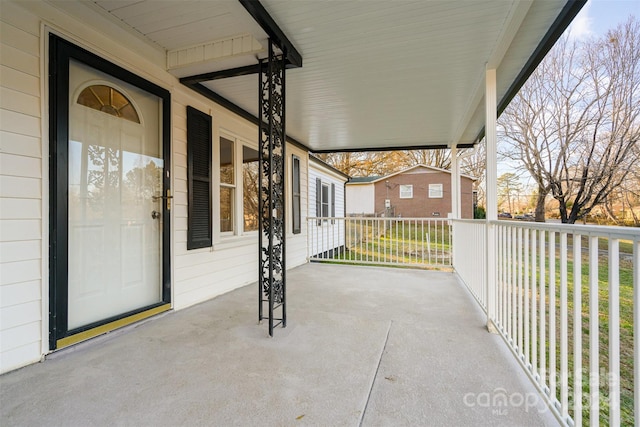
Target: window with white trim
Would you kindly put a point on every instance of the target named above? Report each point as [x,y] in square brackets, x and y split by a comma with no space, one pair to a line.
[295,195]
[238,187]
[250,188]
[227,185]
[435,191]
[325,199]
[406,191]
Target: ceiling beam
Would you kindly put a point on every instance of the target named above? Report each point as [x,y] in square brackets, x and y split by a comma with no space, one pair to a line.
[247,70]
[262,17]
[406,147]
[221,74]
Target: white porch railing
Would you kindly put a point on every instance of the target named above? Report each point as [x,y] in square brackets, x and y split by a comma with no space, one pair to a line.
[470,256]
[576,342]
[416,242]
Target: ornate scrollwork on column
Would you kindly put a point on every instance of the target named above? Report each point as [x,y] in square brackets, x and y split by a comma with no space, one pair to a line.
[272,268]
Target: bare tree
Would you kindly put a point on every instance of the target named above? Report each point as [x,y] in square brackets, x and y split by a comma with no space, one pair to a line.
[369,163]
[473,162]
[344,162]
[625,199]
[439,158]
[575,124]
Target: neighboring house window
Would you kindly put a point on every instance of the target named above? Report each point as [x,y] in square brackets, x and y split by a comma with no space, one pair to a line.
[227,185]
[406,191]
[250,188]
[199,179]
[295,192]
[435,191]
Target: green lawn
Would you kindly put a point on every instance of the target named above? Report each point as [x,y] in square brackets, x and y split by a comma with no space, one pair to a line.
[398,242]
[626,336]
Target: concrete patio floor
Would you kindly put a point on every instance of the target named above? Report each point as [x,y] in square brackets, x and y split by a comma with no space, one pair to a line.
[364,346]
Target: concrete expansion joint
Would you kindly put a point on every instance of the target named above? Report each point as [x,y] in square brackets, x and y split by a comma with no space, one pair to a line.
[375,374]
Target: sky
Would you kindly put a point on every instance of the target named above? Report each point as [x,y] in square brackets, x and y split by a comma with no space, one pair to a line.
[598,16]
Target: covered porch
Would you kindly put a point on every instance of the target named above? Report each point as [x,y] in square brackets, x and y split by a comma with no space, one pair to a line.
[365,346]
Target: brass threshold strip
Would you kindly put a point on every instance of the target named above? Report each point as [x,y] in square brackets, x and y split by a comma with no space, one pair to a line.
[108,327]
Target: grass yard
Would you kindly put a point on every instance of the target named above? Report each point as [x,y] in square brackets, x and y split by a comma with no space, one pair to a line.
[626,336]
[398,242]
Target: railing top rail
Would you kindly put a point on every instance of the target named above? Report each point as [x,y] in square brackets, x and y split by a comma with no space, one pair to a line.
[468,221]
[584,230]
[378,218]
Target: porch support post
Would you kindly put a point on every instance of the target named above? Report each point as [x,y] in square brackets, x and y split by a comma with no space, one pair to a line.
[271,199]
[492,194]
[455,183]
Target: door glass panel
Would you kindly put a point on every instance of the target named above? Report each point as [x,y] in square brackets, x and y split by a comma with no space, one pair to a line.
[115,214]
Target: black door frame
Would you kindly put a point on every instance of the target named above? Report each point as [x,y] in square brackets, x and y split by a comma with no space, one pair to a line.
[60,53]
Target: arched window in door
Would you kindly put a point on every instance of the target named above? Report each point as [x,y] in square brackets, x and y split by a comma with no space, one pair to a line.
[108,100]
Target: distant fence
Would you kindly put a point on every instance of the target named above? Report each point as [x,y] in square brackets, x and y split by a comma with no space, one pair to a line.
[415,242]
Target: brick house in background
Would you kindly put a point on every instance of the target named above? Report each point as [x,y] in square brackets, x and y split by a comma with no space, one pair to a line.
[417,192]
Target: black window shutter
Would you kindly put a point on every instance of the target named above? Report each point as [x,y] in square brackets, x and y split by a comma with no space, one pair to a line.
[333,203]
[319,199]
[296,196]
[199,179]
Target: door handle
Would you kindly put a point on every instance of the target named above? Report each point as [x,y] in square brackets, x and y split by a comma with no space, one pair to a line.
[155,214]
[168,198]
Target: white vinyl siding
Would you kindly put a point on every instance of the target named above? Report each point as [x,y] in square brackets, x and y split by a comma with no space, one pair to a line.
[197,275]
[21,225]
[201,274]
[297,243]
[326,179]
[329,232]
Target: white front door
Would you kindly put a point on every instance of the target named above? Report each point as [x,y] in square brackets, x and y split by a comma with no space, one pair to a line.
[114,197]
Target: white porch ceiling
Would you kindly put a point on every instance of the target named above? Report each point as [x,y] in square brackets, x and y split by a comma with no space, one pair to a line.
[376,74]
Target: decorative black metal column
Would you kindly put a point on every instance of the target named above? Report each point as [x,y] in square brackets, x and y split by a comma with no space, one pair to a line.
[271,202]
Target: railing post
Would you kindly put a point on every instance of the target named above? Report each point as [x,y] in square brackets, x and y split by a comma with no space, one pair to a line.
[614,332]
[491,277]
[455,183]
[636,328]
[492,193]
